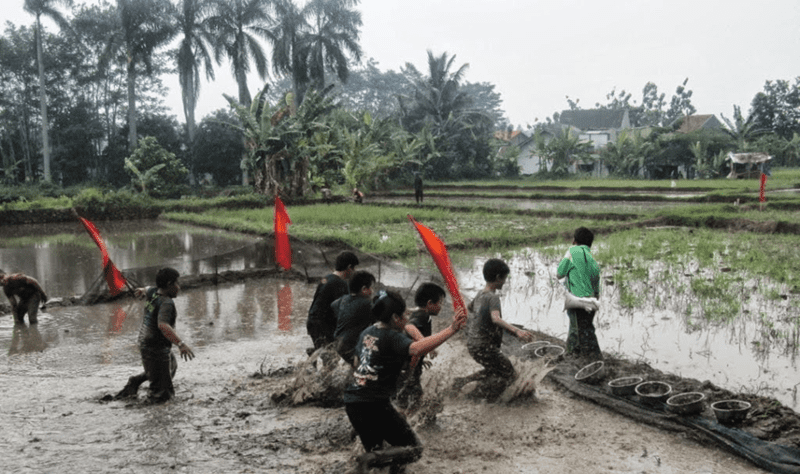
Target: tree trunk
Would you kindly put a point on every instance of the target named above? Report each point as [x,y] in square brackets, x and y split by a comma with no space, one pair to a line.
[245,100]
[132,135]
[189,104]
[43,102]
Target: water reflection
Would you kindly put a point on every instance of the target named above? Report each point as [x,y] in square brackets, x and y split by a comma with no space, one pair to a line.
[66,261]
[26,339]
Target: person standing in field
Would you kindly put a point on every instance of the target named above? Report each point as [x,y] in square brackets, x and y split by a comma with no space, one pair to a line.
[418,187]
[583,280]
[25,295]
[321,323]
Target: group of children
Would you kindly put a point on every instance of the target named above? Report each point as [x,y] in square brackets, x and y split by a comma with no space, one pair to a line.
[380,340]
[374,334]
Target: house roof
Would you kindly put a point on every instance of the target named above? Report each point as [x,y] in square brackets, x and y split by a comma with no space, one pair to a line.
[692,123]
[593,119]
[506,135]
[757,157]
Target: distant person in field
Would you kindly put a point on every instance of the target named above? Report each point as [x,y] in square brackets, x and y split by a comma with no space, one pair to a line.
[583,280]
[418,187]
[25,295]
[321,323]
[358,196]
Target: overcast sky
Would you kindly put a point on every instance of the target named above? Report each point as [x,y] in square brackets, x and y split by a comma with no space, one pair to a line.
[538,52]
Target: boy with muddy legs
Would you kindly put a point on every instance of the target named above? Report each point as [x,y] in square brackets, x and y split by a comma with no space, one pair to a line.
[156,337]
[25,294]
[353,314]
[485,335]
[582,279]
[321,323]
[382,349]
[429,299]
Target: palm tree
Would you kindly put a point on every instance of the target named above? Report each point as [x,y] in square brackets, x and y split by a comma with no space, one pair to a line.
[46,8]
[740,129]
[288,45]
[334,32]
[192,56]
[237,24]
[144,27]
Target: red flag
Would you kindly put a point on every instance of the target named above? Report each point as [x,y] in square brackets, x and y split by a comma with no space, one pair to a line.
[285,308]
[116,282]
[762,197]
[283,252]
[117,319]
[438,251]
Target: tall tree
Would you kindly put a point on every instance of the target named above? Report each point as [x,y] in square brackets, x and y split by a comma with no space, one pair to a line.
[777,108]
[193,55]
[145,25]
[288,46]
[238,24]
[680,105]
[334,33]
[652,105]
[46,8]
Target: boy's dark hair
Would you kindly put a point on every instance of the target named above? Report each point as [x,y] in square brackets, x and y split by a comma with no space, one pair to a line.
[386,304]
[345,260]
[166,276]
[428,292]
[360,280]
[493,269]
[584,236]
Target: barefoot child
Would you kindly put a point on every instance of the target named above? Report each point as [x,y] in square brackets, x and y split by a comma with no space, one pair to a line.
[485,335]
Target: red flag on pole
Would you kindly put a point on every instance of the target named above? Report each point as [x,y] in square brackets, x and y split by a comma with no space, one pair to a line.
[762,197]
[116,282]
[283,252]
[438,251]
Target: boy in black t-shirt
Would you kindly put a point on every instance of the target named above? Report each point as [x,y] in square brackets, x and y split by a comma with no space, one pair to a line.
[429,299]
[353,314]
[321,322]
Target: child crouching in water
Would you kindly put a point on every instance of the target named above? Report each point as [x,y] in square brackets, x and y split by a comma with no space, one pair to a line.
[382,351]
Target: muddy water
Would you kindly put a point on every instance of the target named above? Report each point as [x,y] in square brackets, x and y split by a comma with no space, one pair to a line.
[67,262]
[743,355]
[53,374]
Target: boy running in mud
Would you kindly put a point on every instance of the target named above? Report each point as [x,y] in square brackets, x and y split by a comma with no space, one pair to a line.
[156,337]
[485,335]
[321,323]
[383,348]
[353,314]
[25,294]
[429,299]
[583,280]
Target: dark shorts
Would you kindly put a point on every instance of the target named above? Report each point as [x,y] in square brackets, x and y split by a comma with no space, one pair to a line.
[321,332]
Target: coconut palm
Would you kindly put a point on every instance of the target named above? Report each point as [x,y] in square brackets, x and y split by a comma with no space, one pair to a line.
[287,36]
[145,25]
[46,8]
[193,55]
[334,32]
[238,24]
